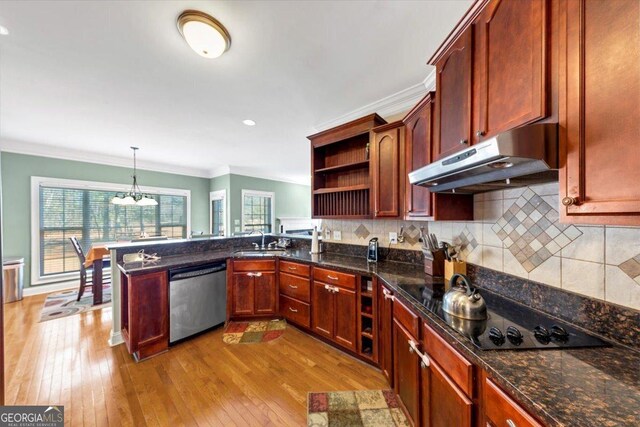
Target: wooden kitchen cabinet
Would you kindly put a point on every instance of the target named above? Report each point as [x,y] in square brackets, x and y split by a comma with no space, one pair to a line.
[454,73]
[419,202]
[254,288]
[600,77]
[501,410]
[385,332]
[510,66]
[334,307]
[145,313]
[295,292]
[406,371]
[387,170]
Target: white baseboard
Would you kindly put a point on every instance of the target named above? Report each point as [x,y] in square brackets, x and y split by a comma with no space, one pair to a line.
[115,339]
[46,289]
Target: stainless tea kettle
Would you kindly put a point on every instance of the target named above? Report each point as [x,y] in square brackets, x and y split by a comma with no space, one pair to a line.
[464,302]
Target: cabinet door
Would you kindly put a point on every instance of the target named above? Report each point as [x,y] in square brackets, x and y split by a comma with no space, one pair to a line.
[386,175]
[599,183]
[443,403]
[418,154]
[453,97]
[406,370]
[242,294]
[265,293]
[148,313]
[510,66]
[345,318]
[322,307]
[385,325]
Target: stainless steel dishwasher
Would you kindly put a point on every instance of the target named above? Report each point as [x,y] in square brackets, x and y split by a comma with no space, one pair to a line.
[197,299]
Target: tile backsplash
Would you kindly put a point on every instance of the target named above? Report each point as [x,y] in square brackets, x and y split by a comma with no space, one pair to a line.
[517,232]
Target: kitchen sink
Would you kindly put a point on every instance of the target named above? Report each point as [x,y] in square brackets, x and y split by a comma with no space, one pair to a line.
[259,253]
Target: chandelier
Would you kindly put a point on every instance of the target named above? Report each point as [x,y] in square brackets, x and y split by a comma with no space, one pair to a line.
[135,196]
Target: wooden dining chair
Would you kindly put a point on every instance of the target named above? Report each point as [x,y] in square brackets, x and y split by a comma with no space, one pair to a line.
[83,270]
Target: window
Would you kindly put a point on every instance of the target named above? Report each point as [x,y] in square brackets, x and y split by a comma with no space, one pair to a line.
[66,208]
[218,201]
[258,211]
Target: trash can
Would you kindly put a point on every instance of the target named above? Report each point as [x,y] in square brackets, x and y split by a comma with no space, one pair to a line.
[12,278]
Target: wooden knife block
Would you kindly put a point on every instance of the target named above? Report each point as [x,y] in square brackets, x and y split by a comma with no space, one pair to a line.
[434,262]
[451,268]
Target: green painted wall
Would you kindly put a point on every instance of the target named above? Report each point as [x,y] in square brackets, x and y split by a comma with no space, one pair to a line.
[291,200]
[17,170]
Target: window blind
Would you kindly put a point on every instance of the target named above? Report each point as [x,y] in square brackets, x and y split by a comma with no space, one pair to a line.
[90,216]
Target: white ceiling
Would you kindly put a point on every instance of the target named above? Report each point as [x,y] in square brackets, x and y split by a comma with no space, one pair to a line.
[89,79]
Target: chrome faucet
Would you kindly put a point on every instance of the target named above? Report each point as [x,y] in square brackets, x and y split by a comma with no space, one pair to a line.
[262,247]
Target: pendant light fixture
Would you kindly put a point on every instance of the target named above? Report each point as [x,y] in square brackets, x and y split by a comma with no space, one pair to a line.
[203,33]
[135,196]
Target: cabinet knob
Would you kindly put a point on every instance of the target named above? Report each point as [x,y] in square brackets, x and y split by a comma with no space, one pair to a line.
[480,133]
[463,142]
[568,201]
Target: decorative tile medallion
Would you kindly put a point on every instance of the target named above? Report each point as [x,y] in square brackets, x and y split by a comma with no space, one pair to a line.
[631,268]
[530,230]
[411,235]
[466,241]
[362,232]
[370,408]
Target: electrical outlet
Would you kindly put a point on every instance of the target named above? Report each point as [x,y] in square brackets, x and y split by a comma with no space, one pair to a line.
[327,234]
[337,235]
[393,238]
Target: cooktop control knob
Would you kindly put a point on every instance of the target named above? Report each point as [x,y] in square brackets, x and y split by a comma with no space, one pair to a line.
[496,336]
[514,336]
[542,334]
[558,333]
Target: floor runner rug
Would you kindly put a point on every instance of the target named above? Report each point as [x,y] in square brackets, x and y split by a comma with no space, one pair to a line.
[253,332]
[369,408]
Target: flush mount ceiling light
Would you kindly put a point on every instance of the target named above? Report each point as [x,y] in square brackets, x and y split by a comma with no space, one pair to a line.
[249,122]
[135,196]
[4,31]
[203,33]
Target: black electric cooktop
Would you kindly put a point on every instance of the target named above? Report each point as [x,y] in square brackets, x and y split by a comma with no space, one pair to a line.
[509,326]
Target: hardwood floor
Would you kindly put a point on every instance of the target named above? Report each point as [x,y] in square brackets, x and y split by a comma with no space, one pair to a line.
[199,382]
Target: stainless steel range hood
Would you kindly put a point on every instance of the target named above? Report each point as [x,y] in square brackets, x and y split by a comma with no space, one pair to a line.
[519,157]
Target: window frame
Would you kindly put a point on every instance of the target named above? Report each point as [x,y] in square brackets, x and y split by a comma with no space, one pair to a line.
[38,181]
[270,194]
[219,195]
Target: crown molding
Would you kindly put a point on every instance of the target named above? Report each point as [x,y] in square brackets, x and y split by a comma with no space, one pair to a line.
[42,150]
[257,173]
[396,103]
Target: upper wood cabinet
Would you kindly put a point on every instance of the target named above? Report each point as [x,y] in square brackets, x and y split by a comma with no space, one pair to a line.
[387,170]
[510,59]
[491,76]
[340,170]
[454,73]
[419,202]
[601,112]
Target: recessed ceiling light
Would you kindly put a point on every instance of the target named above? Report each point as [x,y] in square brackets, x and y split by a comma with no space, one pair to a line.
[249,122]
[4,31]
[203,33]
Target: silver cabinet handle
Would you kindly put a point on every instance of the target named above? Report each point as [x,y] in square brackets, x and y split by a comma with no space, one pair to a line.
[510,423]
[332,277]
[251,274]
[328,287]
[292,268]
[425,361]
[293,310]
[413,347]
[463,142]
[387,295]
[293,287]
[480,133]
[336,289]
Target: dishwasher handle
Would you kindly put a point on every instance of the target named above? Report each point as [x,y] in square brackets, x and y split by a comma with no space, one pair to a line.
[191,272]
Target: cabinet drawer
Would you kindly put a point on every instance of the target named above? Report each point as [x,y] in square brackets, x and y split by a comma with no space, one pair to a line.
[500,408]
[407,318]
[295,268]
[255,265]
[334,278]
[295,311]
[295,287]
[459,369]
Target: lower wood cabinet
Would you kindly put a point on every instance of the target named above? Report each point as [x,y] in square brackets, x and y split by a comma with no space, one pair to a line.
[501,410]
[254,288]
[443,404]
[145,313]
[295,293]
[385,332]
[334,314]
[406,371]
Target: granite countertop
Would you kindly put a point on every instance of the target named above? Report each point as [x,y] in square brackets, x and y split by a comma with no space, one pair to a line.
[579,387]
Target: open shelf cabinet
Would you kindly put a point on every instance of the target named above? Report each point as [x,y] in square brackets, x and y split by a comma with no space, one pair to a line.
[367,319]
